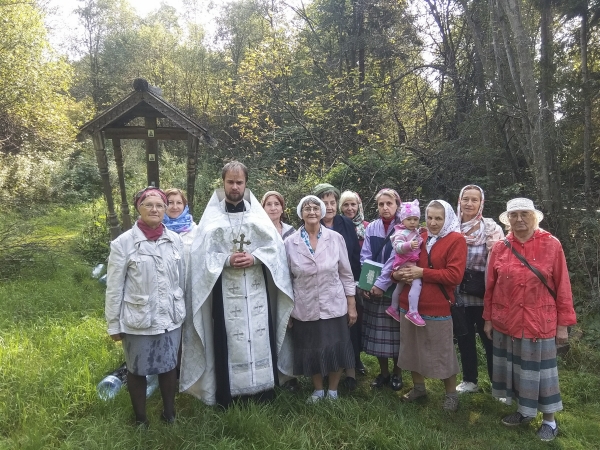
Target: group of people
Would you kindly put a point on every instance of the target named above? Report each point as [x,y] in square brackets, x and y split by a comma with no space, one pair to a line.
[231,307]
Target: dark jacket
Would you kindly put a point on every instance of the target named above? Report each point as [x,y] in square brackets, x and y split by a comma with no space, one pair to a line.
[346,228]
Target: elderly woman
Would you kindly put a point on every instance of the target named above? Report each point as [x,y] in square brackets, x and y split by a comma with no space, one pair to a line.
[527,307]
[381,333]
[274,205]
[344,226]
[351,207]
[429,351]
[324,305]
[480,234]
[144,302]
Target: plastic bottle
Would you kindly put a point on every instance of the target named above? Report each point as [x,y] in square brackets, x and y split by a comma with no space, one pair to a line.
[151,384]
[109,387]
[97,270]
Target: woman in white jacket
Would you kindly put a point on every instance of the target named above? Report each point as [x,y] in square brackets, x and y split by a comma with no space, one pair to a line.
[145,305]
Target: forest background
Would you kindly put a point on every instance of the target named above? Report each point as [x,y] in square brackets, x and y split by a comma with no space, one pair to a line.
[424,96]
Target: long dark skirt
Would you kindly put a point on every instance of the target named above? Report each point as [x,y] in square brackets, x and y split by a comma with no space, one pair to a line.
[322,346]
[151,354]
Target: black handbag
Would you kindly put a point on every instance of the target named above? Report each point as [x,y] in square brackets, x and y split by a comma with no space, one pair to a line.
[473,283]
[457,310]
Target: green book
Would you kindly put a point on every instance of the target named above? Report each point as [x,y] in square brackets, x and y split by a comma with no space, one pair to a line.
[369,273]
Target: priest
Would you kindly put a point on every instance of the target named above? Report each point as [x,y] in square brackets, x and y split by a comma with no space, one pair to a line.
[239,299]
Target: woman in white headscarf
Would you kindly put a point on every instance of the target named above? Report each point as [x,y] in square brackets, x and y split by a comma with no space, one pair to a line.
[429,351]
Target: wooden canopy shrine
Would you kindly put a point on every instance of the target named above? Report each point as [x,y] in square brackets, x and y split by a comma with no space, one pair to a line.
[145,101]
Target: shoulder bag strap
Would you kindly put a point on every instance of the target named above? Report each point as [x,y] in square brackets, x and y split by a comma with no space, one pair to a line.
[386,240]
[441,286]
[536,272]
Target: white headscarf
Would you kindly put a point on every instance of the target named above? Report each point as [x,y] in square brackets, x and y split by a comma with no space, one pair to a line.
[451,223]
[311,199]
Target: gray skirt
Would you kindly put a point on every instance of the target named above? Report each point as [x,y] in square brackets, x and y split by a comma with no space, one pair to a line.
[527,371]
[151,354]
[428,350]
[381,333]
[322,346]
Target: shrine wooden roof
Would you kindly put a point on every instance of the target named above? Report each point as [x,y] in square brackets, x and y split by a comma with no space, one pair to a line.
[145,101]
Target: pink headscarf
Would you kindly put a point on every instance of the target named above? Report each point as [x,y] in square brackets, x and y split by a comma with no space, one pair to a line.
[147,192]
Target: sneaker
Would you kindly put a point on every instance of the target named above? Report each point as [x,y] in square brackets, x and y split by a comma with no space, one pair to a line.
[546,432]
[467,387]
[396,382]
[314,398]
[415,318]
[331,397]
[393,313]
[515,419]
[413,395]
[450,403]
[380,381]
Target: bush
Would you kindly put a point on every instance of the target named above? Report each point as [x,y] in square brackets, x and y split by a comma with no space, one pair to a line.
[94,242]
[77,180]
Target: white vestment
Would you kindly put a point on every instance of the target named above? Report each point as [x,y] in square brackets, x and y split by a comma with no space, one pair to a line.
[244,302]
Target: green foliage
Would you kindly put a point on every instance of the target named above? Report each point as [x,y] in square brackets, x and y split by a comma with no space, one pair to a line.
[77,179]
[94,242]
[33,83]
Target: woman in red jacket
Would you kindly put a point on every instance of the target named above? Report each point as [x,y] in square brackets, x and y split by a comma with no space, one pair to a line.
[429,351]
[525,317]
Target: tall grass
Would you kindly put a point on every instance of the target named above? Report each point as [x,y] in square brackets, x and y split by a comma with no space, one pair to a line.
[54,349]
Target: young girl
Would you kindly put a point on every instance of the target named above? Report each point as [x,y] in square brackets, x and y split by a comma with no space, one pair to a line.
[407,242]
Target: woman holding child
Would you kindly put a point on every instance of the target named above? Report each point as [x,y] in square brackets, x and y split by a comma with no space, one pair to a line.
[428,351]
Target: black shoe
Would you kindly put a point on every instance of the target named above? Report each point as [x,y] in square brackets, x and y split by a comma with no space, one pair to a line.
[380,381]
[360,368]
[396,382]
[350,383]
[291,385]
[141,424]
[167,420]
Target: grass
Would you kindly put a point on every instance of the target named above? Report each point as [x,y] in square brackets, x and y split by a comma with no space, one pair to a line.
[54,349]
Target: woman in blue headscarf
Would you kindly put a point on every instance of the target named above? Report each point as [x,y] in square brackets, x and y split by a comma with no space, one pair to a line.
[179,220]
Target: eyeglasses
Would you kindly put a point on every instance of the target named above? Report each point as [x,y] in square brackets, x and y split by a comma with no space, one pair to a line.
[310,209]
[151,206]
[522,214]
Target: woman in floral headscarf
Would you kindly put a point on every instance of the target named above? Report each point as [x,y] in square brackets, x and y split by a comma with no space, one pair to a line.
[429,351]
[351,206]
[481,234]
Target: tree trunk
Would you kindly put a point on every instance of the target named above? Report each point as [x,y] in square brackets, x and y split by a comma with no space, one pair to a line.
[587,111]
[547,182]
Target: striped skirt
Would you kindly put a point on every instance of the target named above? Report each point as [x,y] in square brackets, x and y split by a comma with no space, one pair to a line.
[527,371]
[381,333]
[322,346]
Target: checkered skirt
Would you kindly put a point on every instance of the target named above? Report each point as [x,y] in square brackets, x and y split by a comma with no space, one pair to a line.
[381,333]
[527,371]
